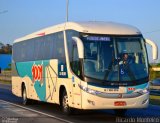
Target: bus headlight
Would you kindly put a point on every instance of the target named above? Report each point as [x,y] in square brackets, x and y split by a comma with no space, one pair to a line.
[142,91]
[146,90]
[91,91]
[88,90]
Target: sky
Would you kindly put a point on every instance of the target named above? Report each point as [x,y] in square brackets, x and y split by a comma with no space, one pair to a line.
[21,17]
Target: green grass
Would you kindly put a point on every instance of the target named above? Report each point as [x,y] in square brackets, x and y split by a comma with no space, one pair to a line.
[155,100]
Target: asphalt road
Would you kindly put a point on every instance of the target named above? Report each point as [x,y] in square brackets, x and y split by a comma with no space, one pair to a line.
[45,112]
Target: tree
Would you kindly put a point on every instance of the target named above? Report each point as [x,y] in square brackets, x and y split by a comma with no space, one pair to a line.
[5,49]
[1,44]
[9,67]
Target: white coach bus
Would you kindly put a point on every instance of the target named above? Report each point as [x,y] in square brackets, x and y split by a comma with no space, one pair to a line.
[83,65]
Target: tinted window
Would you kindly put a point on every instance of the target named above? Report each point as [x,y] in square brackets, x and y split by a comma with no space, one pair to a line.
[49,47]
[23,51]
[41,48]
[59,49]
[73,52]
[70,34]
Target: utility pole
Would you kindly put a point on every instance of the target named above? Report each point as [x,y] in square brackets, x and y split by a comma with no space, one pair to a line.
[67,4]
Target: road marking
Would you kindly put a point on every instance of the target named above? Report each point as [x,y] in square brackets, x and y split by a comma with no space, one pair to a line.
[39,112]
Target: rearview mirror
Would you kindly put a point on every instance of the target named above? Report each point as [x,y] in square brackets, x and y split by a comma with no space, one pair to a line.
[154,49]
[80,47]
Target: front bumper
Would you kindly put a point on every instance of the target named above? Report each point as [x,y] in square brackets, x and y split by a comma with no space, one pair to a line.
[90,101]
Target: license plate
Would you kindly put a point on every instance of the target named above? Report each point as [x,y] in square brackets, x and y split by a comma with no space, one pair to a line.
[120,103]
[119,90]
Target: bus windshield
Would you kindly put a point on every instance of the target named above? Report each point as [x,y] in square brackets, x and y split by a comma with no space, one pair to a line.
[115,58]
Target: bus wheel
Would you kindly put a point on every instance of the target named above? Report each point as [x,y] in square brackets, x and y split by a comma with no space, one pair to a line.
[64,103]
[120,112]
[24,96]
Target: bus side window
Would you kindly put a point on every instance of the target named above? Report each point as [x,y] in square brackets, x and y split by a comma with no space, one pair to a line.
[75,65]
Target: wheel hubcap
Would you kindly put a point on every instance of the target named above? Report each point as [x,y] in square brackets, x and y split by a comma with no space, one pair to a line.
[24,97]
[65,103]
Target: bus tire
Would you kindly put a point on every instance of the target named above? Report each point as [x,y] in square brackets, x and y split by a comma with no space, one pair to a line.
[120,112]
[24,96]
[64,104]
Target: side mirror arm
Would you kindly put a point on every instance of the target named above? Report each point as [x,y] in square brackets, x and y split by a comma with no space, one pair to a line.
[154,49]
[79,46]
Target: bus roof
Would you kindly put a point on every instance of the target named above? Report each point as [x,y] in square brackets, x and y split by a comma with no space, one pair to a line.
[110,28]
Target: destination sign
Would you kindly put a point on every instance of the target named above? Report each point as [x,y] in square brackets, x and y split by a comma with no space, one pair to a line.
[98,38]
